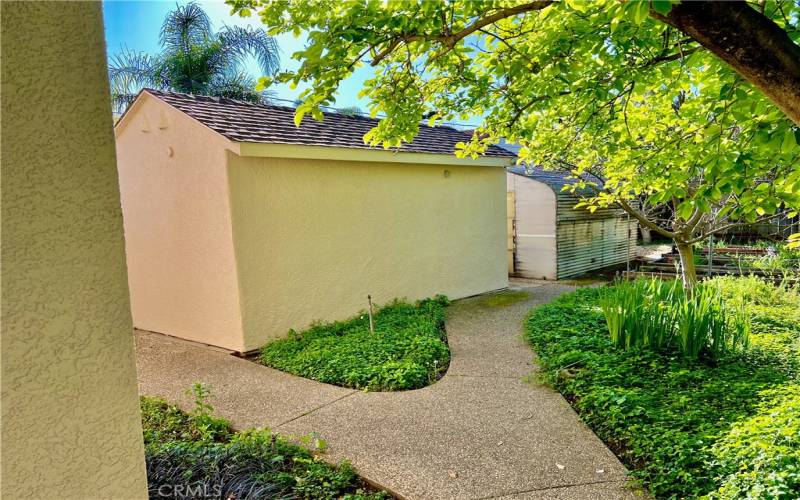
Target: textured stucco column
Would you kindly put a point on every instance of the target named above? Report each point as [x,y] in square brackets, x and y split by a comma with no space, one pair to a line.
[70,419]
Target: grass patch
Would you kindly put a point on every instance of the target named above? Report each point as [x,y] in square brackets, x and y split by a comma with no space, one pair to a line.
[408,349]
[502,299]
[197,455]
[686,428]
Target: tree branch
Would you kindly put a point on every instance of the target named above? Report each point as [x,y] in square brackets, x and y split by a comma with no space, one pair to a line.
[670,57]
[449,40]
[750,42]
[645,221]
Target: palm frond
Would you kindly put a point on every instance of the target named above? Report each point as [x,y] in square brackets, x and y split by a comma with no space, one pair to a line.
[350,111]
[238,85]
[137,66]
[195,60]
[239,42]
[184,27]
[193,70]
[128,73]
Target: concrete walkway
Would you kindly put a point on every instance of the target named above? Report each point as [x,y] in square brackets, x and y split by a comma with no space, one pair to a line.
[482,431]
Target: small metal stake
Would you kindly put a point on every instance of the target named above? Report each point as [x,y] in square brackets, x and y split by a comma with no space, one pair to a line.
[710,254]
[371,324]
[628,260]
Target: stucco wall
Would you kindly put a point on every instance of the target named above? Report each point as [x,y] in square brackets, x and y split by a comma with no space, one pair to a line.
[535,251]
[313,238]
[70,418]
[177,225]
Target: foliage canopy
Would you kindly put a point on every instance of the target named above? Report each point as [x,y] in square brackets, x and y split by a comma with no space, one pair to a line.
[599,88]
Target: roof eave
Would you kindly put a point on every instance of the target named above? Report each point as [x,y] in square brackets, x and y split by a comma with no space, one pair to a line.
[311,152]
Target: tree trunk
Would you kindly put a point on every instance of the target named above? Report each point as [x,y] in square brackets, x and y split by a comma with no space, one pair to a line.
[754,46]
[688,271]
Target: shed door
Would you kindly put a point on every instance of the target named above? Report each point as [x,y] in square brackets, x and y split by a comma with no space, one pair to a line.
[533,229]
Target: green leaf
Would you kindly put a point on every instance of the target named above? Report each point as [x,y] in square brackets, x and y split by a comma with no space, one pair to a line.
[789,141]
[263,83]
[685,210]
[639,11]
[579,5]
[298,117]
[662,6]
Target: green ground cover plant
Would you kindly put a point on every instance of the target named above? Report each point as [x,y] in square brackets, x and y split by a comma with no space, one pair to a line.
[719,428]
[196,455]
[408,349]
[761,454]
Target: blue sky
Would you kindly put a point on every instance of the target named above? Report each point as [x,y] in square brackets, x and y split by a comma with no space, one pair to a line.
[135,25]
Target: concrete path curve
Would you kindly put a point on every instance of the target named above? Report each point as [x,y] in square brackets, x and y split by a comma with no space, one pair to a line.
[482,431]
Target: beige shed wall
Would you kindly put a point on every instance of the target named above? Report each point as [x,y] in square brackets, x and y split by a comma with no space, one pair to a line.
[178,237]
[535,250]
[314,237]
[70,415]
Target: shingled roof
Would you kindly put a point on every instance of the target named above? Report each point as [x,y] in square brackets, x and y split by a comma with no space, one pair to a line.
[261,123]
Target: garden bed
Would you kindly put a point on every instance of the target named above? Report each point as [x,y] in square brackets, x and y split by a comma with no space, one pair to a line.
[769,260]
[195,455]
[407,350]
[686,428]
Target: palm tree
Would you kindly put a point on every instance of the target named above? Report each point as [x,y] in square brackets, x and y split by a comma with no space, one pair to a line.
[195,60]
[350,111]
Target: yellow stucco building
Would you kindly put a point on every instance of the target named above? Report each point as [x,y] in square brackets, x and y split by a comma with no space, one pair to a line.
[240,226]
[71,427]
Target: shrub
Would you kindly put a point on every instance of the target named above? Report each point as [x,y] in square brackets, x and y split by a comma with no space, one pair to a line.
[660,315]
[165,423]
[666,415]
[408,349]
[184,464]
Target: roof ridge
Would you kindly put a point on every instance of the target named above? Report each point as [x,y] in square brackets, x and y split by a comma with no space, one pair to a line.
[242,121]
[216,99]
[228,100]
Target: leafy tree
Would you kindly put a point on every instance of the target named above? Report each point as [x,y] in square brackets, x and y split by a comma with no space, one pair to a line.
[595,89]
[195,60]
